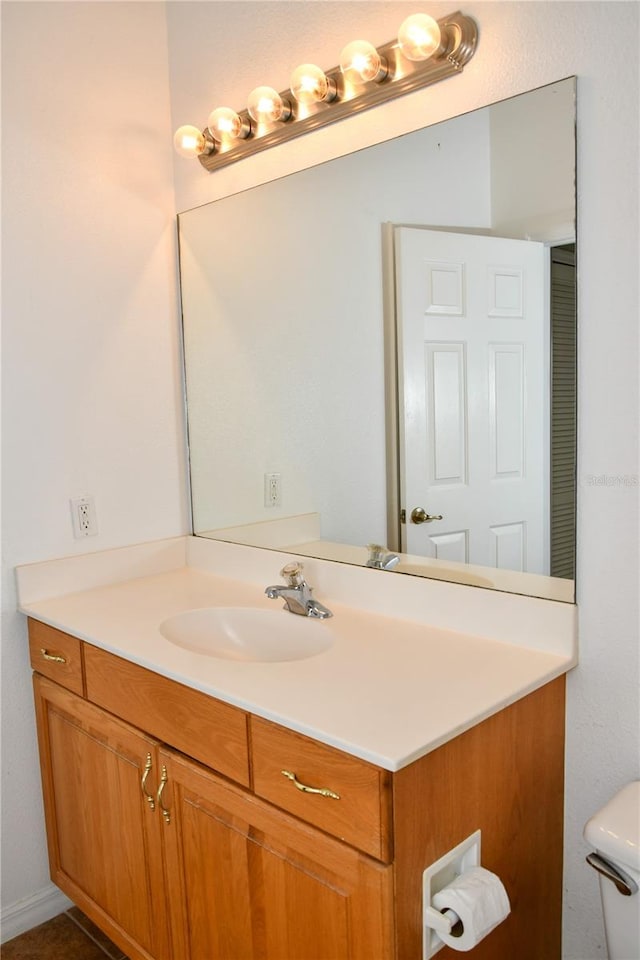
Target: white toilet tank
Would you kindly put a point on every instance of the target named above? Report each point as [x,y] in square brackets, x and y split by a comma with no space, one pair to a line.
[614,832]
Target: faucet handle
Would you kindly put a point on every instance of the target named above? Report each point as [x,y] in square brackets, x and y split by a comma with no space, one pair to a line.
[380,558]
[292,573]
[376,551]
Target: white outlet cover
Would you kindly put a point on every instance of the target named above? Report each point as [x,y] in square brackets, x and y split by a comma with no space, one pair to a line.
[83,517]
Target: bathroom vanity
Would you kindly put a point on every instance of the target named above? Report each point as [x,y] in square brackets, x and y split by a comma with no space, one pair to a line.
[173,781]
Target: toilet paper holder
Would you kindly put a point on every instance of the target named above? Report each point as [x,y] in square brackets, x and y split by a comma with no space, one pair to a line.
[437,876]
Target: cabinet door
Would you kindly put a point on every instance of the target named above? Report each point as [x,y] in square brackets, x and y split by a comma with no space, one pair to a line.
[104,837]
[253,883]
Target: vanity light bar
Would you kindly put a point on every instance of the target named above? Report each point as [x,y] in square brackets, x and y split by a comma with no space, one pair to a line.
[425,52]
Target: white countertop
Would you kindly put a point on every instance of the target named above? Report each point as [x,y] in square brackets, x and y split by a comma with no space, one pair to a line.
[388,690]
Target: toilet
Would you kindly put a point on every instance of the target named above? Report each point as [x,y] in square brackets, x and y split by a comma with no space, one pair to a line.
[614,832]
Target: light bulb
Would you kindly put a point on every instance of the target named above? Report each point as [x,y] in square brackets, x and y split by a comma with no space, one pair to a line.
[361,62]
[225,124]
[419,37]
[265,105]
[191,142]
[309,84]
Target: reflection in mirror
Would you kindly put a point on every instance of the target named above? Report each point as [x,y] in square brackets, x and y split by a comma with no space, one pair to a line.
[392,334]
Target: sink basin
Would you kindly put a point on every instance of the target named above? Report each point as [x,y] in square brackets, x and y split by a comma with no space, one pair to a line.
[247,633]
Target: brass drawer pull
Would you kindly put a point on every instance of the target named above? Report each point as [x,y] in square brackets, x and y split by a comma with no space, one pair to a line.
[54,657]
[163,780]
[321,791]
[143,783]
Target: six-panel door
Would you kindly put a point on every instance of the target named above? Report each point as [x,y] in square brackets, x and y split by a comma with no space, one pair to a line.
[474,397]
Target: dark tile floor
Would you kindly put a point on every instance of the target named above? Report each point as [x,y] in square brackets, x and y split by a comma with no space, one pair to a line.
[70,936]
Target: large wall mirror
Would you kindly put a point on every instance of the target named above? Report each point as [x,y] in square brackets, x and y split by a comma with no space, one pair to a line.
[381,350]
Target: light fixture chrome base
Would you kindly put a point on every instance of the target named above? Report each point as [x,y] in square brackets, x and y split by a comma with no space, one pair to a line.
[459,41]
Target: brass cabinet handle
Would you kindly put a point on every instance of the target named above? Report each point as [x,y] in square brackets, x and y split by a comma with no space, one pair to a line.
[147,770]
[163,780]
[418,515]
[54,657]
[321,791]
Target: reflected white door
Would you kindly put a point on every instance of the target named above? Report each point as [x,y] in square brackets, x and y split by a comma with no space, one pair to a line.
[473,383]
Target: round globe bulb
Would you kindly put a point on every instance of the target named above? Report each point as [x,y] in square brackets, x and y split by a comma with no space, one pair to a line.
[419,37]
[309,84]
[190,142]
[360,62]
[265,105]
[225,124]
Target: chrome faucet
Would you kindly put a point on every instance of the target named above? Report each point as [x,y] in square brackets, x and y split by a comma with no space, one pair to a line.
[380,559]
[296,594]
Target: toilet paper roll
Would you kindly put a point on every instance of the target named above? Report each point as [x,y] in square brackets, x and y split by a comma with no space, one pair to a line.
[480,900]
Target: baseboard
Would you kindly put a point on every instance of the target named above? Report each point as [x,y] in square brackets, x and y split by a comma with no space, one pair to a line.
[30,911]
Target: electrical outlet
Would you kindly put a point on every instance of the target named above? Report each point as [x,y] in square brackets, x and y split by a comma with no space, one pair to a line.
[272,490]
[83,517]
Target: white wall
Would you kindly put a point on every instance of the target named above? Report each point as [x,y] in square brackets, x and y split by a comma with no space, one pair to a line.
[528,192]
[91,378]
[220,51]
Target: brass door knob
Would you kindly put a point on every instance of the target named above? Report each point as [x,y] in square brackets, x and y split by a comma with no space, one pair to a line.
[418,515]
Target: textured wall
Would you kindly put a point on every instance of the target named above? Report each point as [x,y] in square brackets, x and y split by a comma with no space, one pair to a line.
[91,378]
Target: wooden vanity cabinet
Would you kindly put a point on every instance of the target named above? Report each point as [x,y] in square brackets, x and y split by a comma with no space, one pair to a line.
[184,864]
[254,883]
[241,879]
[180,858]
[105,845]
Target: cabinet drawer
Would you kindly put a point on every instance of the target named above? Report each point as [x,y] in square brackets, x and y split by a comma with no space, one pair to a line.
[56,655]
[361,813]
[206,729]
